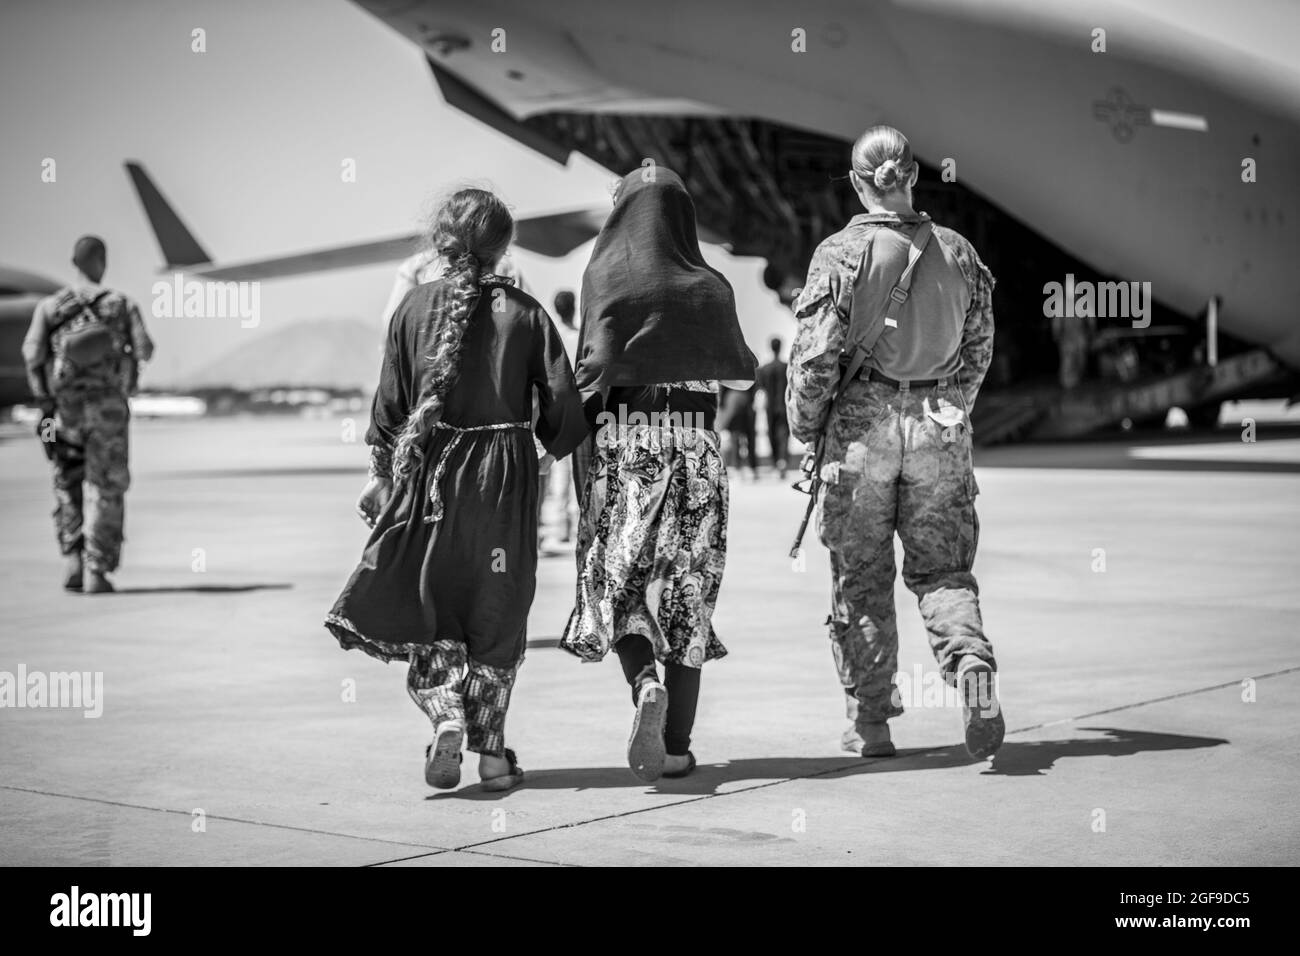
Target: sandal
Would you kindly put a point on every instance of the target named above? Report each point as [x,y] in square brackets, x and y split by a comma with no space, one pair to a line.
[442,758]
[506,781]
[685,771]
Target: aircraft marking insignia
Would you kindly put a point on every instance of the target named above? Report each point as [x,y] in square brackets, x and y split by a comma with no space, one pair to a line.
[1121,113]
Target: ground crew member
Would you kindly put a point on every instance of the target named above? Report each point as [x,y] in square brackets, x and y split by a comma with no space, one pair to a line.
[83,352]
[897,455]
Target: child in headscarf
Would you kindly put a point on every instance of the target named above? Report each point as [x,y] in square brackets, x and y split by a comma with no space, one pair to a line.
[659,332]
[449,573]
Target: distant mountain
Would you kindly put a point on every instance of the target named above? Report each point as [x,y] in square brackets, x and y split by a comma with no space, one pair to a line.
[343,353]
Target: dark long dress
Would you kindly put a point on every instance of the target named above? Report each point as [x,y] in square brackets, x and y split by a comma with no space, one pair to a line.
[471,576]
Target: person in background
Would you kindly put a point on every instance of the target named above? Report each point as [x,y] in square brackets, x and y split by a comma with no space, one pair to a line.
[659,333]
[565,310]
[83,353]
[1074,335]
[450,570]
[739,421]
[772,380]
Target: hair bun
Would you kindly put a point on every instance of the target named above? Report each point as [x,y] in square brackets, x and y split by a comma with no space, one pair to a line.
[886,174]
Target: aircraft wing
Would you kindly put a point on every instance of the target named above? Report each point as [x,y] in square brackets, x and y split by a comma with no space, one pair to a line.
[554,234]
[302,263]
[559,234]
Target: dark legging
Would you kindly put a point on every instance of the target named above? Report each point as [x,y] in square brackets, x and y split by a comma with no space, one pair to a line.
[778,433]
[683,683]
[745,431]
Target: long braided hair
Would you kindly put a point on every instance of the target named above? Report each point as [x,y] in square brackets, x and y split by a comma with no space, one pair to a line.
[470,232]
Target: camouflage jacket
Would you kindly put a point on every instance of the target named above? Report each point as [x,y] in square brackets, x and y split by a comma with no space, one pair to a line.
[822,311]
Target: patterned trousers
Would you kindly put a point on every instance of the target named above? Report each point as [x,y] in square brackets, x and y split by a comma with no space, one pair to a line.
[902,463]
[93,430]
[447,685]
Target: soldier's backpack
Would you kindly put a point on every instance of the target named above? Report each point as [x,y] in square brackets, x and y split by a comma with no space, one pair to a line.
[89,339]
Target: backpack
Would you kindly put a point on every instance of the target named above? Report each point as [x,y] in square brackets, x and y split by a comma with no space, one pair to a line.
[89,339]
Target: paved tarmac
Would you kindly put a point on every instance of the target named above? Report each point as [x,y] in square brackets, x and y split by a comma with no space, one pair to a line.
[1152,706]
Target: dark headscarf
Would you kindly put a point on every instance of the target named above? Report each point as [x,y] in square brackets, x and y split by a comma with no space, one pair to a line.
[653,311]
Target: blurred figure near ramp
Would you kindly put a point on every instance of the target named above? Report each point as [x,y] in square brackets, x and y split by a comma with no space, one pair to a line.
[773,381]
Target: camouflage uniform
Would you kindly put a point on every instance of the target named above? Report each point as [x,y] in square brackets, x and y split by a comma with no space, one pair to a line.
[897,459]
[91,417]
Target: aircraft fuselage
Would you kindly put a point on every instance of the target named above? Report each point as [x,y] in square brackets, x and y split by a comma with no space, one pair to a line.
[1166,153]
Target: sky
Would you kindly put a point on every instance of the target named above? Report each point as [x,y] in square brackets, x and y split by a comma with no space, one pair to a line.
[247,141]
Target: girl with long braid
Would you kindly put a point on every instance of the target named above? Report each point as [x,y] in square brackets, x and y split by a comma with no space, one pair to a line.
[449,572]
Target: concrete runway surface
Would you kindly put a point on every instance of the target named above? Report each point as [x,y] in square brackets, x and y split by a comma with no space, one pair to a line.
[1135,736]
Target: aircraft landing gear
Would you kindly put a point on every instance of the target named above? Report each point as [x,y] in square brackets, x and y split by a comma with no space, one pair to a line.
[1204,417]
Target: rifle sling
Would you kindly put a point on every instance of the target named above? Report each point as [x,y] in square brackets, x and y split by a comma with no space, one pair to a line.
[897,296]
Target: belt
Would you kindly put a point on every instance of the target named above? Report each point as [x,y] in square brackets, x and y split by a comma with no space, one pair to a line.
[435,491]
[871,375]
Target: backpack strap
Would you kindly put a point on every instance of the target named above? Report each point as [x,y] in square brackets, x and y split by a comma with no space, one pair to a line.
[66,304]
[88,307]
[70,304]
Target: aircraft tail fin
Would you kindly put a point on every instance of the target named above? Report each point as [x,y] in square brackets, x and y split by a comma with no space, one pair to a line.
[178,245]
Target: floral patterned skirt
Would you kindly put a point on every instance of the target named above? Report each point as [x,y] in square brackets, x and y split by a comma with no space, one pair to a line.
[652,544]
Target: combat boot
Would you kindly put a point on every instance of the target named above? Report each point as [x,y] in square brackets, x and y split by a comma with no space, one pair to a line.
[869,740]
[981,710]
[74,574]
[96,583]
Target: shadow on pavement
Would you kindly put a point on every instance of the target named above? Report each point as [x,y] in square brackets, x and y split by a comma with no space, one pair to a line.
[1016,758]
[289,471]
[1030,758]
[203,589]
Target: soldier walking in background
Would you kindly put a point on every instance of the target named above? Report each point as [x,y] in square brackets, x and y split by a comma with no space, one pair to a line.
[895,336]
[83,353]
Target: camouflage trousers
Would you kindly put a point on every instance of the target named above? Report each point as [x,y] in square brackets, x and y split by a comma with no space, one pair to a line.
[900,463]
[92,451]
[447,685]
